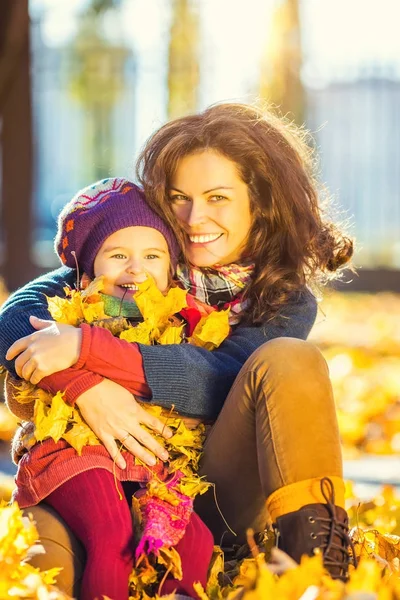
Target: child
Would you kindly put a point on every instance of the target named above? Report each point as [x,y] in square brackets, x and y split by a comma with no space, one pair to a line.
[109,230]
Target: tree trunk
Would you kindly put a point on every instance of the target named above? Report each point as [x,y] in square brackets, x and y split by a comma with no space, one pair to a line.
[183,75]
[280,81]
[16,142]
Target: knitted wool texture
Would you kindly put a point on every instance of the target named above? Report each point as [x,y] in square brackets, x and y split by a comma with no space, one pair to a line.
[99,210]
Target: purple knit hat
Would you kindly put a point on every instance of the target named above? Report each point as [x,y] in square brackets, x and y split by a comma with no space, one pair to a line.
[99,210]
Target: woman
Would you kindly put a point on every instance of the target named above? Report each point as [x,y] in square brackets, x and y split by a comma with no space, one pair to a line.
[239,187]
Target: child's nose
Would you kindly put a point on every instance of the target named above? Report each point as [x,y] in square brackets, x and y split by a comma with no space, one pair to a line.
[135,266]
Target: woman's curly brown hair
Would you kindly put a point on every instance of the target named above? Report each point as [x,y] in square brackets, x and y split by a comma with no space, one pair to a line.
[291,241]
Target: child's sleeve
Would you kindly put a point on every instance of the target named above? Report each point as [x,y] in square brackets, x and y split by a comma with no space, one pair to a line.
[125,368]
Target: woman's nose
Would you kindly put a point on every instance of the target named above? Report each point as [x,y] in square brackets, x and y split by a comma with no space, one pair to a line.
[196,214]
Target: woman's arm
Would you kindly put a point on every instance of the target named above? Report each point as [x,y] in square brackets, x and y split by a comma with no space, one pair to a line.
[195,380]
[29,300]
[198,381]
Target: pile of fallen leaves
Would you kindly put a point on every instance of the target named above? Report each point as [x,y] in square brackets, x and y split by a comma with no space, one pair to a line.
[359,335]
[19,542]
[375,527]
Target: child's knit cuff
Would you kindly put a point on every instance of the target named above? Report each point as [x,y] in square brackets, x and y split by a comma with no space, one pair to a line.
[81,384]
[85,345]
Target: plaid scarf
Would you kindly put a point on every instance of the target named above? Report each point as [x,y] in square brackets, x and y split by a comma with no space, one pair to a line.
[220,286]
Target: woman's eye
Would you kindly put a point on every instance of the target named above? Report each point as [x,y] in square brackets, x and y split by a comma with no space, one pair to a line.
[119,256]
[217,198]
[151,256]
[179,198]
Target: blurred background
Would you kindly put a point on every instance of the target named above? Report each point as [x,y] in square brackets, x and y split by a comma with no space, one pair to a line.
[83,83]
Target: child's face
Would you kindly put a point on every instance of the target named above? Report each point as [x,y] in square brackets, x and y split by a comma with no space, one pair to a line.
[127,256]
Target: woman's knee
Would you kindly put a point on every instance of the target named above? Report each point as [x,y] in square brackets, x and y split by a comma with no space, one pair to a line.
[288,356]
[62,549]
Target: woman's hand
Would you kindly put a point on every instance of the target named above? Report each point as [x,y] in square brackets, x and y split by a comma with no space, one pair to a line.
[54,347]
[113,414]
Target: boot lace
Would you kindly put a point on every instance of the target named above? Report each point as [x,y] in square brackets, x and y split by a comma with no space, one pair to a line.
[337,542]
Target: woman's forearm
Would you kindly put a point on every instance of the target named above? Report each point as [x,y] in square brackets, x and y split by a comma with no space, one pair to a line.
[195,380]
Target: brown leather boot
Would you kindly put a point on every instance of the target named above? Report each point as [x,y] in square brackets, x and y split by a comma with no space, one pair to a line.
[318,526]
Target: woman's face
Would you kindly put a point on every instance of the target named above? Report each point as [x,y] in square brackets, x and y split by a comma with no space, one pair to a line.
[212,203]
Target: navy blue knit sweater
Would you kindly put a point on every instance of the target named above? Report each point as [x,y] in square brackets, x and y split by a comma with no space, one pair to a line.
[195,380]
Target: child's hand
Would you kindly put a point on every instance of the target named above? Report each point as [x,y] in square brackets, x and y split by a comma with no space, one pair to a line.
[54,347]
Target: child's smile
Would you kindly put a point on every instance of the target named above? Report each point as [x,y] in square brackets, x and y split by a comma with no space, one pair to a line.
[128,256]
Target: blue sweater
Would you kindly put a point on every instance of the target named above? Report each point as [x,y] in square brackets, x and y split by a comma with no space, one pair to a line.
[195,380]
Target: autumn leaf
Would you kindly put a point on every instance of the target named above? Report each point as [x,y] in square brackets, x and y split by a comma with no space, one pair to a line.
[160,490]
[193,486]
[143,575]
[93,289]
[171,335]
[93,312]
[142,333]
[211,330]
[66,310]
[171,560]
[51,421]
[80,434]
[215,570]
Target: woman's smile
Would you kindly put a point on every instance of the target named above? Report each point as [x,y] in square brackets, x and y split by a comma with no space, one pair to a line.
[205,238]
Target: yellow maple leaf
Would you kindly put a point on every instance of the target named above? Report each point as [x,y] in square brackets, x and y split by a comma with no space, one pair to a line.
[155,307]
[94,288]
[171,335]
[141,333]
[214,571]
[93,311]
[367,577]
[171,560]
[51,421]
[211,330]
[66,310]
[193,486]
[160,490]
[80,434]
[143,575]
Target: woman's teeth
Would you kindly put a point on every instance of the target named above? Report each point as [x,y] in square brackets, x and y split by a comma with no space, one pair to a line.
[202,239]
[129,286]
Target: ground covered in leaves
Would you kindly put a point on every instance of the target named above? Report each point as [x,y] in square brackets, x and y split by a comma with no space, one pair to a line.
[360,337]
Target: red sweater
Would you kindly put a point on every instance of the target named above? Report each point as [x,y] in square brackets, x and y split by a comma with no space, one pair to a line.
[48,464]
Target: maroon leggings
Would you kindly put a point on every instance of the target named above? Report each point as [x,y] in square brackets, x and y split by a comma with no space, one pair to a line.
[90,505]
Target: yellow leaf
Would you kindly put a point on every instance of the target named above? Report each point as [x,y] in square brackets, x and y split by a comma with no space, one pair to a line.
[216,568]
[80,434]
[94,288]
[66,310]
[93,311]
[141,333]
[155,307]
[211,330]
[193,486]
[143,575]
[51,421]
[198,588]
[170,558]
[171,335]
[367,577]
[160,490]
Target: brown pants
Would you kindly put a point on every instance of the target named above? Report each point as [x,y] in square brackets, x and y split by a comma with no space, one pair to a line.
[278,426]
